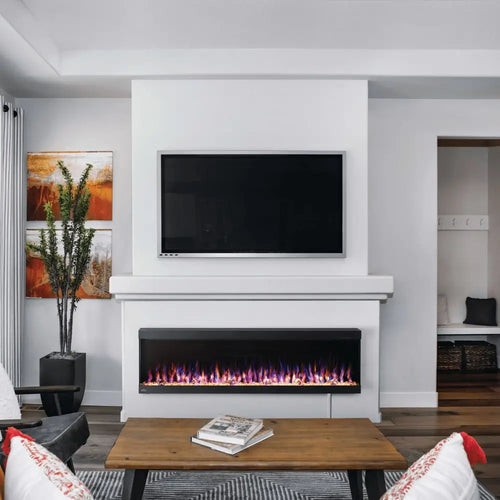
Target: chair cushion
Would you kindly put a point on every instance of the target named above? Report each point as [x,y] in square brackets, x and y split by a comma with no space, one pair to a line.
[33,472]
[444,473]
[62,435]
[9,405]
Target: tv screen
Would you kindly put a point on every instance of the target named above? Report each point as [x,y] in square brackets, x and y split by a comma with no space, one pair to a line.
[252,204]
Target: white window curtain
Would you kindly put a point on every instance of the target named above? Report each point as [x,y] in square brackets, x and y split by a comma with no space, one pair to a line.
[12,238]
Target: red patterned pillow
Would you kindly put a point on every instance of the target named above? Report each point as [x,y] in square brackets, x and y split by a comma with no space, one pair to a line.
[33,472]
[444,473]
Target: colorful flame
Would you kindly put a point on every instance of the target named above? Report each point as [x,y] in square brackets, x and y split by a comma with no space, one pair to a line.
[316,373]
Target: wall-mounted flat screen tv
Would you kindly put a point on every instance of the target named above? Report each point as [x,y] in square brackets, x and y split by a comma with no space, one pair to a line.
[251,205]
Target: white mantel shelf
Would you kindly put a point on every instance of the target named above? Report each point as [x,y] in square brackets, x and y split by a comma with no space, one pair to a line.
[130,287]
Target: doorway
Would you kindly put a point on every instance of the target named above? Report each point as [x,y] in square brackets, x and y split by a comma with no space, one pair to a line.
[468,266]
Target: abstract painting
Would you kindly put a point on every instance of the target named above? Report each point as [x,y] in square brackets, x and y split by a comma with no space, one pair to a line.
[95,285]
[44,176]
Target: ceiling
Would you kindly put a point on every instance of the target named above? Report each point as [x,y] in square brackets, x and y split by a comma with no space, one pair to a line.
[312,24]
[405,48]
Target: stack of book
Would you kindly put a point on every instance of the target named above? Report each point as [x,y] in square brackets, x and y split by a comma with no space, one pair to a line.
[230,434]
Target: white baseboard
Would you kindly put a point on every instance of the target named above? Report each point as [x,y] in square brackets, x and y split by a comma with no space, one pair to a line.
[387,399]
[91,398]
[408,399]
[103,398]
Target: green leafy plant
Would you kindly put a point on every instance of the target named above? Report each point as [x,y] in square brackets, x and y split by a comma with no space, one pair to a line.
[67,268]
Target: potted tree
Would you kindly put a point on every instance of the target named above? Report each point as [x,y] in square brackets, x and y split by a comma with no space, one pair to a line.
[66,262]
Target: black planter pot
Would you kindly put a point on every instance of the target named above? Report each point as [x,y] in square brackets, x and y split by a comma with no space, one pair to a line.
[71,371]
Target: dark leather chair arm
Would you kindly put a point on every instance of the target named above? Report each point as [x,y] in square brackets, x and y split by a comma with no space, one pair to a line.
[55,390]
[46,389]
[19,424]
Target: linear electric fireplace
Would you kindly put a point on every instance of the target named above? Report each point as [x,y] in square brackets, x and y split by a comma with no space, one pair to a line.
[249,360]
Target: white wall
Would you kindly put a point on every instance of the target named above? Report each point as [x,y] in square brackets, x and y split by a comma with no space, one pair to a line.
[462,255]
[248,115]
[463,181]
[494,225]
[402,200]
[403,229]
[85,124]
[494,235]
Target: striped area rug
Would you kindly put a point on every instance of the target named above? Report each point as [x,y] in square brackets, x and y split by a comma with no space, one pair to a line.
[221,485]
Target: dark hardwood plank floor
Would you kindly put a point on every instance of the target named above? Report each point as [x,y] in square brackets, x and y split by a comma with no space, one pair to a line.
[469,389]
[467,403]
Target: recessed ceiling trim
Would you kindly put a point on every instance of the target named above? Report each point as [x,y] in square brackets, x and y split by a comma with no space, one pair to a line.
[365,64]
[22,21]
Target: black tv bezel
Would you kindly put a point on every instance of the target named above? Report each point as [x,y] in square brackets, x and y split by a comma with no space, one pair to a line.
[161,254]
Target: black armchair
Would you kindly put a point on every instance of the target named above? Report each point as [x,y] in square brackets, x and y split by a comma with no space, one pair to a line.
[63,435]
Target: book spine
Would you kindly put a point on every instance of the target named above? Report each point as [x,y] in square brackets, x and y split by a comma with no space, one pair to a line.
[221,439]
[214,447]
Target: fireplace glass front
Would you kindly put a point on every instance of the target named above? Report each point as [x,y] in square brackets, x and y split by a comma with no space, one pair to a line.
[249,361]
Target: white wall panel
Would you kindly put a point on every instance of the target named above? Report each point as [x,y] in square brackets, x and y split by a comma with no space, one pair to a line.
[403,226]
[93,125]
[329,115]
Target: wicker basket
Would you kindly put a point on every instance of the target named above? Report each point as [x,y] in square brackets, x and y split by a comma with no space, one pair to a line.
[478,356]
[449,356]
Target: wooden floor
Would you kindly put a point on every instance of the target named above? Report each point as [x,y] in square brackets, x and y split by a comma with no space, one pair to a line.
[473,389]
[468,403]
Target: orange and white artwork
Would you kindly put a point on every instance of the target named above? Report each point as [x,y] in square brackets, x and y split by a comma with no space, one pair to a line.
[95,284]
[44,177]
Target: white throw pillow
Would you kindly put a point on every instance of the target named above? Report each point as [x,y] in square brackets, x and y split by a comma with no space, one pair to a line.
[442,310]
[9,405]
[444,473]
[33,472]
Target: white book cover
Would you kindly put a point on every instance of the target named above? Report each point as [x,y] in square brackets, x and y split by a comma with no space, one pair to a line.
[232,449]
[230,429]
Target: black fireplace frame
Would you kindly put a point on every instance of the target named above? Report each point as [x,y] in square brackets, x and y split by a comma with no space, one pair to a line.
[254,334]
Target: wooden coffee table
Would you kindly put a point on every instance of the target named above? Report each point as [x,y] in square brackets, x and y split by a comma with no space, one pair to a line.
[298,444]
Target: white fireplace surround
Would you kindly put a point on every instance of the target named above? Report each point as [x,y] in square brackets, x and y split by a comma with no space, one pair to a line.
[252,302]
[250,115]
